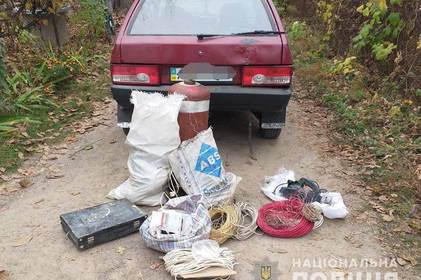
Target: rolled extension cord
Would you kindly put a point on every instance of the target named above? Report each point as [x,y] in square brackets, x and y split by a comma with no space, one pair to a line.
[300,228]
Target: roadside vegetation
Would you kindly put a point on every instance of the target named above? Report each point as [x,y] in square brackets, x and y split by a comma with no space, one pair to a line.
[361,59]
[45,87]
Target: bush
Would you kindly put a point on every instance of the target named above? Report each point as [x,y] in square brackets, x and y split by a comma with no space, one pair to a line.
[383,35]
[91,16]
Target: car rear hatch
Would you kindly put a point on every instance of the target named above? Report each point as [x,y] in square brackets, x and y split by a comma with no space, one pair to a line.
[172,34]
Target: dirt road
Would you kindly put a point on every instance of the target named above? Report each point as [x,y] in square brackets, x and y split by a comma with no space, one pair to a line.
[33,245]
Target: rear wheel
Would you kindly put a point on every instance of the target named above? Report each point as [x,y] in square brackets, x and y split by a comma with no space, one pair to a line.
[271,124]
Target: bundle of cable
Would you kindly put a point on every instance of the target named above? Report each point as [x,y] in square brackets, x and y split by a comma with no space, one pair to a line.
[204,254]
[284,219]
[233,221]
[246,226]
[224,222]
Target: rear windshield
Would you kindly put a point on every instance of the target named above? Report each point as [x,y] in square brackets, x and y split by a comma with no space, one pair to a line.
[192,17]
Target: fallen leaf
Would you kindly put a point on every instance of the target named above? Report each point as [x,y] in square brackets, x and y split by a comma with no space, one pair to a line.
[22,240]
[383,198]
[61,147]
[20,155]
[52,157]
[410,259]
[3,274]
[2,169]
[418,172]
[5,178]
[278,251]
[403,228]
[400,261]
[39,201]
[75,193]
[25,183]
[415,224]
[156,266]
[387,218]
[54,175]
[121,250]
[113,141]
[89,147]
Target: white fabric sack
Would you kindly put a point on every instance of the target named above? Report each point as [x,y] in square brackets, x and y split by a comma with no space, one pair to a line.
[154,127]
[332,205]
[198,168]
[154,133]
[146,180]
[274,184]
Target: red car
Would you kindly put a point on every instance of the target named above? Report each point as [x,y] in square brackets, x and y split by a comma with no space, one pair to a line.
[237,48]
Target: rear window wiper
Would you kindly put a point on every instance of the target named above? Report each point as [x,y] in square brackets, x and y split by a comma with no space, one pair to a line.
[202,36]
[257,32]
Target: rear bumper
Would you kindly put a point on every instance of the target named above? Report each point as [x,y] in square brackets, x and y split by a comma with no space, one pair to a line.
[224,98]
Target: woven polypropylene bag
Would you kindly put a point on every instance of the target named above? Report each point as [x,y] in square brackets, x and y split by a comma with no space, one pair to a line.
[198,168]
[193,205]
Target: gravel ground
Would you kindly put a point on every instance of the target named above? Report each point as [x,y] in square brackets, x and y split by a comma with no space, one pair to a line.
[33,245]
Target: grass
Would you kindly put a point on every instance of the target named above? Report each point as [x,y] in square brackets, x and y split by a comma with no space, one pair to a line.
[375,122]
[44,89]
[75,98]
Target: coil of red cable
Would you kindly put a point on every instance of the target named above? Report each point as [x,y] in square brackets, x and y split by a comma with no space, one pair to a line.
[287,210]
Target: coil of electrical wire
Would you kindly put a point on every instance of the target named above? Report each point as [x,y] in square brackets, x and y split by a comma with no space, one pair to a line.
[183,261]
[284,219]
[224,222]
[247,225]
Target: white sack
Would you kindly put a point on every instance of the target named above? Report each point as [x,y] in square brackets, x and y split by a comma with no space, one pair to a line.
[274,184]
[146,179]
[332,205]
[154,127]
[198,168]
[154,133]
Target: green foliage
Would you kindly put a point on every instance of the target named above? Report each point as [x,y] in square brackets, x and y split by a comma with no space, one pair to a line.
[382,51]
[325,11]
[381,28]
[30,91]
[282,6]
[297,30]
[91,15]
[345,67]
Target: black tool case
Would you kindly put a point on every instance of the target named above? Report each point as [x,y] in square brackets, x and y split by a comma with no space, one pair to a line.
[102,223]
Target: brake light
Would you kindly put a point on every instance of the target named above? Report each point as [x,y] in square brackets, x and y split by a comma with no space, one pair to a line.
[135,75]
[267,76]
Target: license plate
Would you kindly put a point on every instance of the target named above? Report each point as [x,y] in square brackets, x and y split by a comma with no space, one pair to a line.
[201,77]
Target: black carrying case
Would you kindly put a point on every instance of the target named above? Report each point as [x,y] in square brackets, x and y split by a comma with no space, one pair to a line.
[102,223]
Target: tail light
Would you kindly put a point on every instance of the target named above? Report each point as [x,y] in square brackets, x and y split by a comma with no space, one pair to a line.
[267,76]
[135,75]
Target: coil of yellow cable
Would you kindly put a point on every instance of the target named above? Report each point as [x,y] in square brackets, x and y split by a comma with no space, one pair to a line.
[224,222]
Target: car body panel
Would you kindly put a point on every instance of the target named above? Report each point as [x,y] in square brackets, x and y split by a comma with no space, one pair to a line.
[181,50]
